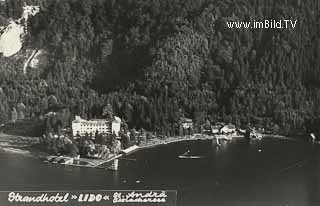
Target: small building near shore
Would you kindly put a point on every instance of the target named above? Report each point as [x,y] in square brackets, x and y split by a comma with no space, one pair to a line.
[103,126]
[229,128]
[186,123]
[215,129]
[116,125]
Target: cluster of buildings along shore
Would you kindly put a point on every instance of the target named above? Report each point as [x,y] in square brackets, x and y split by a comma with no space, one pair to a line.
[82,127]
[101,138]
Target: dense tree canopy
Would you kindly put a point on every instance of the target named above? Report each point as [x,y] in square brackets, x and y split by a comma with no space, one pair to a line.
[156,61]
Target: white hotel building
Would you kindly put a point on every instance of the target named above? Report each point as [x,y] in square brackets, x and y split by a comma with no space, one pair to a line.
[81,126]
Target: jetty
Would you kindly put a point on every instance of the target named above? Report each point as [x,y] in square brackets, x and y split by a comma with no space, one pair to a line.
[81,162]
[91,162]
[228,137]
[129,150]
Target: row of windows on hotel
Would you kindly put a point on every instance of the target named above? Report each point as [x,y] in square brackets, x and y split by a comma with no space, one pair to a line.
[91,128]
[101,130]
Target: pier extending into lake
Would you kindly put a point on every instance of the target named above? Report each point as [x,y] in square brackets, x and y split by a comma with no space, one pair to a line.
[97,163]
[92,162]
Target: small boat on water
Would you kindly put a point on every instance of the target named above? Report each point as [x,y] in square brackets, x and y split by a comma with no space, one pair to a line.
[187,155]
[191,157]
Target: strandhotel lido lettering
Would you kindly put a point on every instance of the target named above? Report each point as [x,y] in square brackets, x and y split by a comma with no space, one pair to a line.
[101,197]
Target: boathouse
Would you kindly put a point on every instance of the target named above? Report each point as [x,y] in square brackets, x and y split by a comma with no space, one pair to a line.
[229,128]
[186,123]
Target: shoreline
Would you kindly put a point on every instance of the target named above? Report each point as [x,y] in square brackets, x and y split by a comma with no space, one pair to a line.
[24,145]
[30,150]
[196,137]
[18,144]
[170,140]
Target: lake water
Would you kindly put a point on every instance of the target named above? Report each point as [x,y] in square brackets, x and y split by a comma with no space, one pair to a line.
[267,172]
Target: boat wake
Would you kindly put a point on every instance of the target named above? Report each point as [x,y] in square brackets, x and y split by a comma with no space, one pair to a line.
[187,155]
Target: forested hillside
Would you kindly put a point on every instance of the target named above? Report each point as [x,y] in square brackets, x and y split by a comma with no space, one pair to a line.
[155,61]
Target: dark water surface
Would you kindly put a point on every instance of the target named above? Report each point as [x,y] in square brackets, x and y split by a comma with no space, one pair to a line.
[267,172]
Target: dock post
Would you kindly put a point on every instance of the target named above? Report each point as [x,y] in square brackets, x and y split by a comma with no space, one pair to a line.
[115,164]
